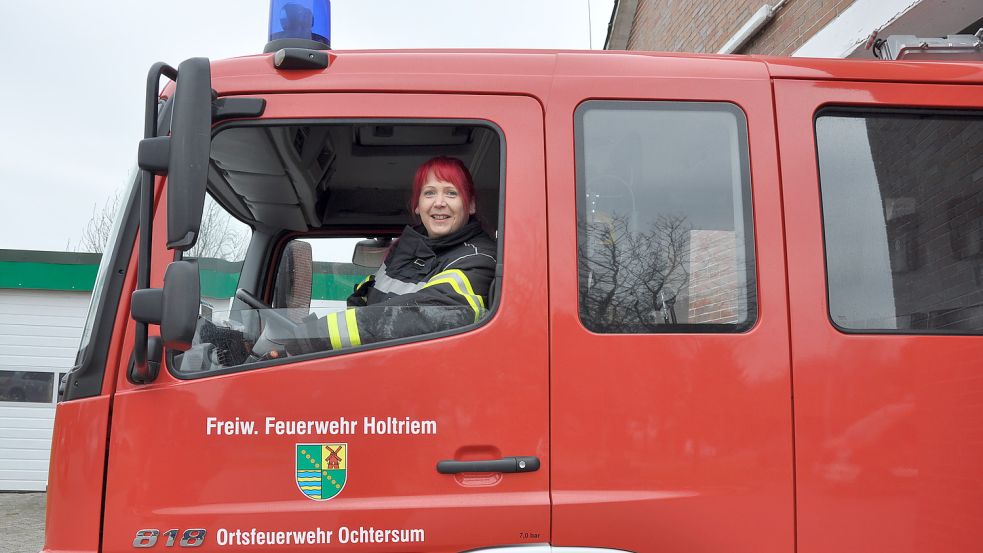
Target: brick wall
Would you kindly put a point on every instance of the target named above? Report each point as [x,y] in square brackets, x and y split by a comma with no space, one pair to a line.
[931,178]
[704,27]
[713,290]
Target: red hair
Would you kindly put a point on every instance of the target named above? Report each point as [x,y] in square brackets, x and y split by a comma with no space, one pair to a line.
[447,169]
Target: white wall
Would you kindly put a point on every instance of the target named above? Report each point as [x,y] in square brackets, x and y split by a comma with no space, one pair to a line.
[39,332]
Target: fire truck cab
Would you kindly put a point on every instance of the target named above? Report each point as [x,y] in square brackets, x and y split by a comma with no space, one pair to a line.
[737,306]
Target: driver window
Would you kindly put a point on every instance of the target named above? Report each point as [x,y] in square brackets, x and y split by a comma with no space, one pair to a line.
[393,232]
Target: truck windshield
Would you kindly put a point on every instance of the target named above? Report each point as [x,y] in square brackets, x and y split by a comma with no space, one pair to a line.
[109,249]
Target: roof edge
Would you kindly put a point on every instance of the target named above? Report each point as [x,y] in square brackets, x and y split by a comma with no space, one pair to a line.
[619,28]
[52,257]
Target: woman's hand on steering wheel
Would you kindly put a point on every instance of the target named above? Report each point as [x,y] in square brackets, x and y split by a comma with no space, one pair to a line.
[276,327]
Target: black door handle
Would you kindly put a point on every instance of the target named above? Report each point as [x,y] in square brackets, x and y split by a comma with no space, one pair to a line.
[505,464]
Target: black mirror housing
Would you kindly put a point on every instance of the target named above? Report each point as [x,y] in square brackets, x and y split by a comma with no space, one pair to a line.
[174,307]
[180,298]
[188,153]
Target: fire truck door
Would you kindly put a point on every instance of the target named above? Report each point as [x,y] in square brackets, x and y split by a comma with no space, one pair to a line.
[670,402]
[886,310]
[341,451]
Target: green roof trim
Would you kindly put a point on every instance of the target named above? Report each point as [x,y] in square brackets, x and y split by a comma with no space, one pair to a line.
[69,271]
[47,276]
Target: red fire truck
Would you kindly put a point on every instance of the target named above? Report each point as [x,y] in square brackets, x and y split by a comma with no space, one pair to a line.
[737,306]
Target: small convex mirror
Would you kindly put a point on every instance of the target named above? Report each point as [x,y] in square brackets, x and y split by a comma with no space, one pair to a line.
[371,253]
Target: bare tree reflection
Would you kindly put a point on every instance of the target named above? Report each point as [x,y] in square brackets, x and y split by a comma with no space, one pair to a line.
[630,279]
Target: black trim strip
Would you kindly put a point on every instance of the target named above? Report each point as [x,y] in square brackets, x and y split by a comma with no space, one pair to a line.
[86,377]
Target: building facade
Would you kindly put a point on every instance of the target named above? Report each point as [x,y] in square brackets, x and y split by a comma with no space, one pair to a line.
[44,297]
[803,28]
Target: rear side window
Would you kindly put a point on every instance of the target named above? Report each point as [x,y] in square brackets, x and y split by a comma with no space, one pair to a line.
[902,196]
[665,238]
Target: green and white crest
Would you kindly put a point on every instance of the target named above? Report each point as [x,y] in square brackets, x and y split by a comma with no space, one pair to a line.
[321,469]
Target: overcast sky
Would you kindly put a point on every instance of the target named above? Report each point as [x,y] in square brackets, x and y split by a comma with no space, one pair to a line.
[71,113]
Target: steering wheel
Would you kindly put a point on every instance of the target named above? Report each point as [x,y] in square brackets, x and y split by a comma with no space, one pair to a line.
[276,327]
[252,301]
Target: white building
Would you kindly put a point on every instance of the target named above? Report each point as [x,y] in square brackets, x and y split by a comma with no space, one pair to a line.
[44,297]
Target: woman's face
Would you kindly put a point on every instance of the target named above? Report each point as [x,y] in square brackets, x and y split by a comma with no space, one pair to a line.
[441,208]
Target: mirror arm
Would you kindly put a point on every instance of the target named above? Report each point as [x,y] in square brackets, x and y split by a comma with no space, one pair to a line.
[148,372]
[153,154]
[147,305]
[184,158]
[152,98]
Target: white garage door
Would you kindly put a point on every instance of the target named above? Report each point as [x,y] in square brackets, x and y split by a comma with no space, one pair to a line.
[39,336]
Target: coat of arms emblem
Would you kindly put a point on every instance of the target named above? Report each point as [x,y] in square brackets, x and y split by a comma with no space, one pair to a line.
[322,470]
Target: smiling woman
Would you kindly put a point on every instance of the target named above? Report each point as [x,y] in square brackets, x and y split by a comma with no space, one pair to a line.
[447,262]
[443,195]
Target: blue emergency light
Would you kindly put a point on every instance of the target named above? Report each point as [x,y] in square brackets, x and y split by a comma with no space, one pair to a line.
[301,19]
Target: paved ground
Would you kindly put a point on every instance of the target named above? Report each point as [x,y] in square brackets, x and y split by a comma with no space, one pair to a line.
[21,522]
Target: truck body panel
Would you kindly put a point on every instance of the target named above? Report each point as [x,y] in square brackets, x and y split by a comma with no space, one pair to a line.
[886,425]
[729,404]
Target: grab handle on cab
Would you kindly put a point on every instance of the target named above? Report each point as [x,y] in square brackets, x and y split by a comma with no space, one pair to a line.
[505,464]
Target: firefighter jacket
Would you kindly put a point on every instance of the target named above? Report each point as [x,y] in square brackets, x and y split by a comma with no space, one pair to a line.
[424,285]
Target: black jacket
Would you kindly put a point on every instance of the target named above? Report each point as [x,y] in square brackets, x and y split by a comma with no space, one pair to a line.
[424,285]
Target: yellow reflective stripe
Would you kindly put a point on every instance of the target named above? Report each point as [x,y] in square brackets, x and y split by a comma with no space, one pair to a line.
[333,333]
[464,280]
[457,288]
[460,283]
[353,336]
[450,273]
[363,283]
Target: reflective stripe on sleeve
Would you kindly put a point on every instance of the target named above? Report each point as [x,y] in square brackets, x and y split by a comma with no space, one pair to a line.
[333,331]
[343,329]
[460,283]
[355,339]
[365,281]
[388,285]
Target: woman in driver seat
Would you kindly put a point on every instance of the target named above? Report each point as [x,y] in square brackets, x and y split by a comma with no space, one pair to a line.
[437,276]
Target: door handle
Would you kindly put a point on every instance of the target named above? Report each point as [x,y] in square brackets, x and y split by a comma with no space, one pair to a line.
[505,464]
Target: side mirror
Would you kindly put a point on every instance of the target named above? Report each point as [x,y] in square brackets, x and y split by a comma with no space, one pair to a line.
[174,308]
[184,157]
[371,253]
[294,279]
[188,154]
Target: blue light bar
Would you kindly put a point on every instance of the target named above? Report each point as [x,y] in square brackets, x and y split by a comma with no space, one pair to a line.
[304,19]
